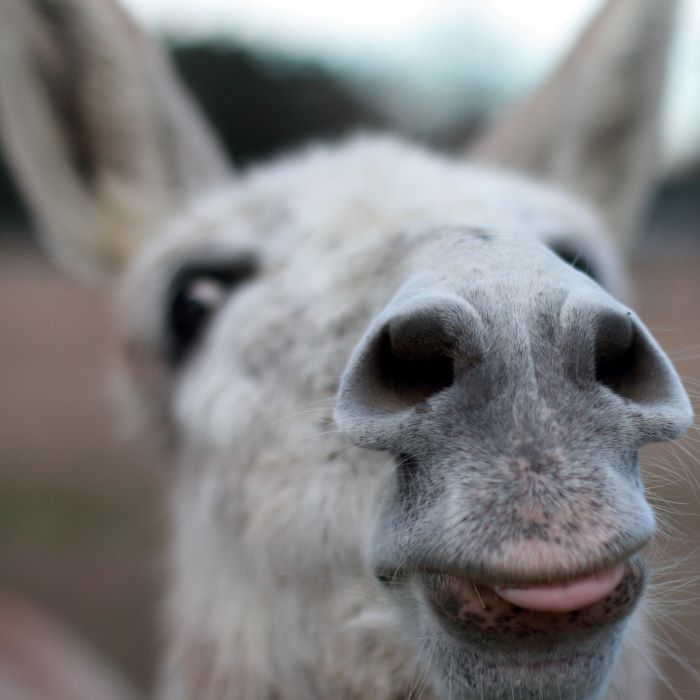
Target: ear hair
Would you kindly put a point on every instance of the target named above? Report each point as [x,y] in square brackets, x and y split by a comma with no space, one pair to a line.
[103,139]
[592,126]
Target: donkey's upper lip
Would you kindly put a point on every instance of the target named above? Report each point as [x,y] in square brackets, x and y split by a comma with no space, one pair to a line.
[525,573]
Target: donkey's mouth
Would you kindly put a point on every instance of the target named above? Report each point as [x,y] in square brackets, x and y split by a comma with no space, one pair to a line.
[547,610]
[565,596]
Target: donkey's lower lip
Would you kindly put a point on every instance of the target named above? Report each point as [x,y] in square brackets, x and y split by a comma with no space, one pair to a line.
[565,596]
[468,607]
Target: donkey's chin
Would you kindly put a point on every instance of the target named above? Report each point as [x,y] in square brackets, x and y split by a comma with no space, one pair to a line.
[574,672]
[484,645]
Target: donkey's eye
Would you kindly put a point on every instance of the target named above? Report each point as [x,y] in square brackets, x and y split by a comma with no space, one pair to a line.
[193,305]
[196,293]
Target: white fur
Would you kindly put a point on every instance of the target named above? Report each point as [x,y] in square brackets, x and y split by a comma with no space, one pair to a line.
[272,508]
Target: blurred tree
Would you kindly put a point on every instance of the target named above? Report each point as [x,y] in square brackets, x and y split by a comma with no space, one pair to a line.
[261,105]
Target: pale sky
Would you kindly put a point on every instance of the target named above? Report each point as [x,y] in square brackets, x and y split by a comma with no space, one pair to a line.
[432,48]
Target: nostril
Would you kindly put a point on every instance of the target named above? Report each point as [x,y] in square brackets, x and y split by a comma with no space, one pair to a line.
[626,362]
[414,351]
[618,355]
[415,358]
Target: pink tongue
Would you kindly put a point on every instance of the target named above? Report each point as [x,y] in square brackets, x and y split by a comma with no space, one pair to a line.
[567,596]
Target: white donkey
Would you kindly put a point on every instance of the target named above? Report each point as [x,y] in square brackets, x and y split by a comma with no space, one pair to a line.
[403,431]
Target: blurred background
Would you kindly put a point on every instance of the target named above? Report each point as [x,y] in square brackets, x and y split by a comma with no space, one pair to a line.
[81,517]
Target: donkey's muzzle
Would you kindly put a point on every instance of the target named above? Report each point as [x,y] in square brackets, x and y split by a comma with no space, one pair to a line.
[440,343]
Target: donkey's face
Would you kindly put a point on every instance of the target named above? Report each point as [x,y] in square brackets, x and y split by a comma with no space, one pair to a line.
[404,430]
[496,398]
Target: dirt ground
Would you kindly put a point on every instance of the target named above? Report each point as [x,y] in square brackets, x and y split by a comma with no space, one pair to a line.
[81,519]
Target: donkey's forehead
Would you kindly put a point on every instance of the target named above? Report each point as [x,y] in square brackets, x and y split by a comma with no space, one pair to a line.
[381,180]
[380,184]
[379,198]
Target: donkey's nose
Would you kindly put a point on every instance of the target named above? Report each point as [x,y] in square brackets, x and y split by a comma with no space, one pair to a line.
[421,348]
[612,351]
[410,354]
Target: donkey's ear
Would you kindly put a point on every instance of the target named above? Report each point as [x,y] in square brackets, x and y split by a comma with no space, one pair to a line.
[103,139]
[592,126]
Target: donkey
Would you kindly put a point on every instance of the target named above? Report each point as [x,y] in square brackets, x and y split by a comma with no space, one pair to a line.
[401,401]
